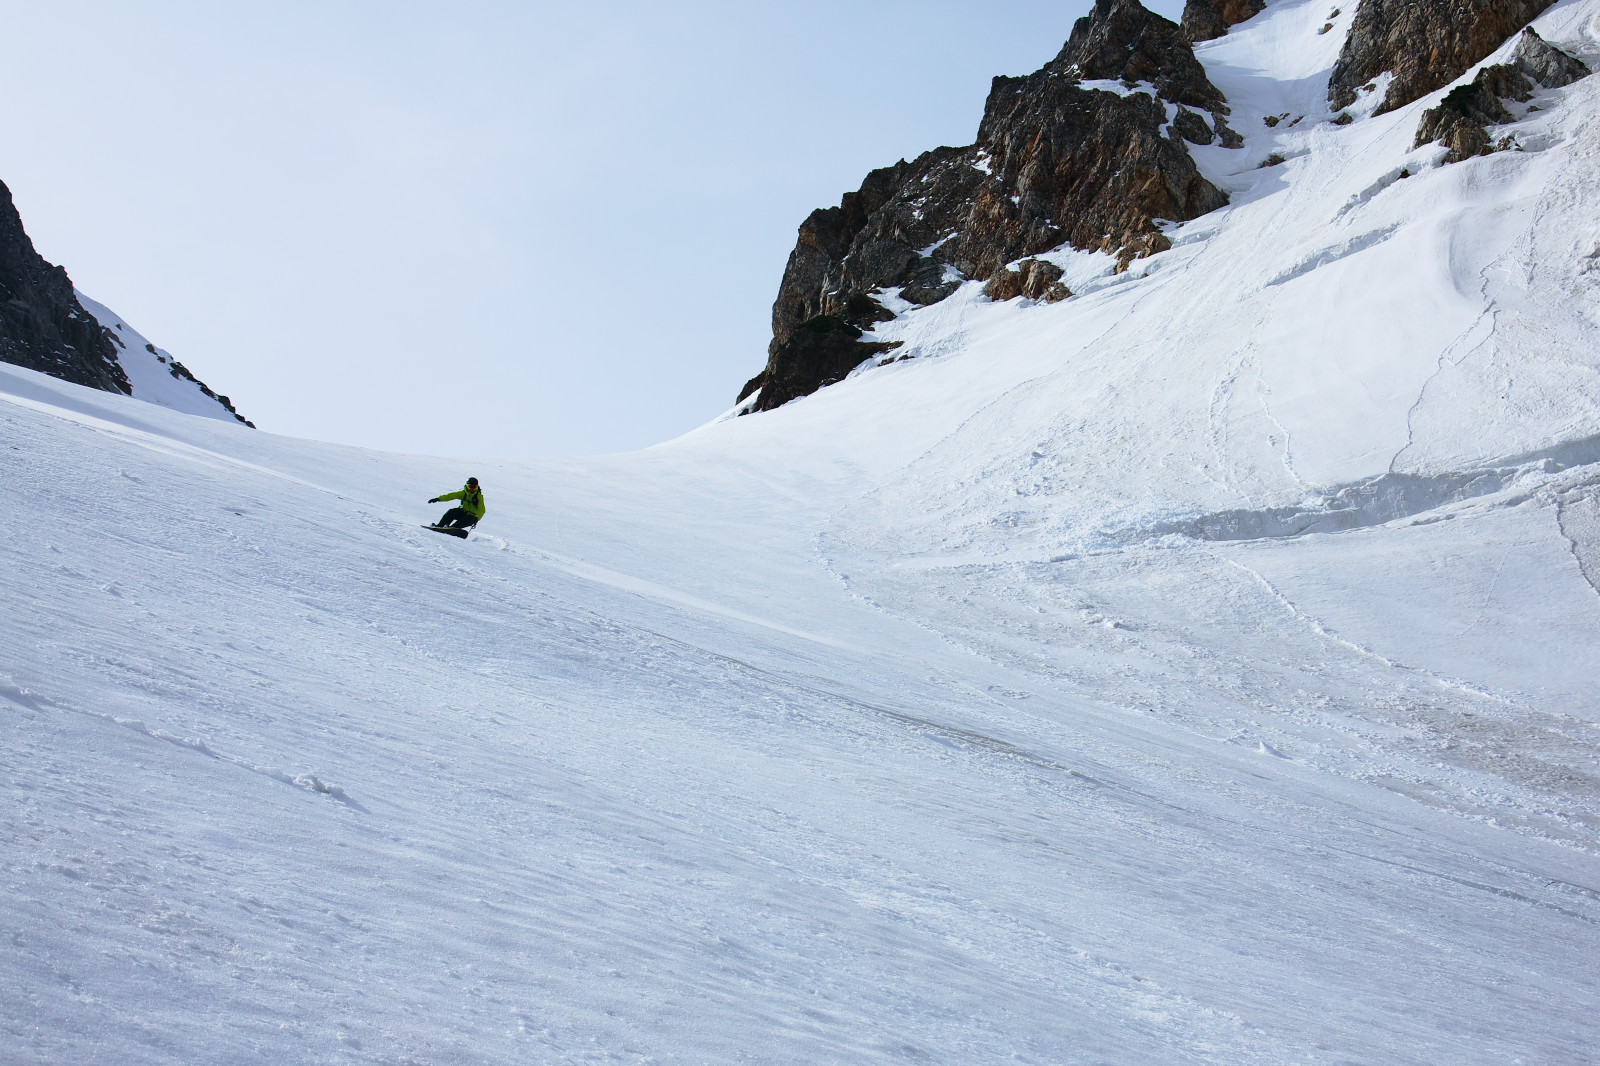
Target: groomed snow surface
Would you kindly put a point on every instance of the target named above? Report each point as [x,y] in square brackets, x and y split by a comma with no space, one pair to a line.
[1199,670]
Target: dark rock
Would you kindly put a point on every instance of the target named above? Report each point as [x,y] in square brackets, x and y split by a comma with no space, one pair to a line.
[42,325]
[1547,65]
[1427,44]
[1206,19]
[1192,128]
[871,241]
[1121,40]
[181,372]
[1054,163]
[926,282]
[1072,166]
[819,352]
[1461,120]
[1033,278]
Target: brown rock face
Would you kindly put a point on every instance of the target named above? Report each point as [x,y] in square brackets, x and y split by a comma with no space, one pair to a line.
[1461,121]
[819,352]
[42,325]
[1054,163]
[1206,19]
[1544,64]
[1033,278]
[1426,43]
[1123,41]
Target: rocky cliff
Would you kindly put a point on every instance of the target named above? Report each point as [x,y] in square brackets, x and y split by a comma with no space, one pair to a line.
[1462,120]
[1206,19]
[46,325]
[1425,44]
[1089,151]
[1092,152]
[42,325]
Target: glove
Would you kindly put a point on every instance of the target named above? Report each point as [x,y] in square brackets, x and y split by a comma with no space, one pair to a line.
[434,500]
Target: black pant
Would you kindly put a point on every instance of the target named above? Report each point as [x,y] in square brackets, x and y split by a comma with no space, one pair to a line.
[459,517]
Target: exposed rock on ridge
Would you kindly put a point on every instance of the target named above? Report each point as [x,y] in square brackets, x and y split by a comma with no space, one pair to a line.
[1033,278]
[1055,162]
[1206,19]
[1462,118]
[1427,44]
[42,325]
[46,326]
[1128,43]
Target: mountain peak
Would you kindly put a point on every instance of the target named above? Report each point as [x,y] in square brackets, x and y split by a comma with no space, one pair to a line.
[42,325]
[48,326]
[1122,40]
[1089,151]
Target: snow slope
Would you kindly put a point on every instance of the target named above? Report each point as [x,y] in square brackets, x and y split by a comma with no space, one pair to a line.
[151,370]
[1194,671]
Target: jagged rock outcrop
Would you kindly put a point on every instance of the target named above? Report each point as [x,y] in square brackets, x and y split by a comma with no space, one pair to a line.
[1462,118]
[1461,121]
[1033,278]
[821,351]
[1124,41]
[42,325]
[1056,162]
[1427,44]
[45,326]
[1206,19]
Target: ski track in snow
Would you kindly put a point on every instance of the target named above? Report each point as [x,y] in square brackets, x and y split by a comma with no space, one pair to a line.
[1198,670]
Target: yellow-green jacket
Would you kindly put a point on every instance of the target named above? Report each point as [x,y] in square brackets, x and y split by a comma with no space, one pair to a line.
[471,499]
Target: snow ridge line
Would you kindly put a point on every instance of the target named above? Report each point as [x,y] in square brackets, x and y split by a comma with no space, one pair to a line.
[309,781]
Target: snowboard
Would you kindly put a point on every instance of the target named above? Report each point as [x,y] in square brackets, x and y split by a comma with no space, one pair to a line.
[452,530]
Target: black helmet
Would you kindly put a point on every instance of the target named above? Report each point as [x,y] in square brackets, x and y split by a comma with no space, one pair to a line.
[472,481]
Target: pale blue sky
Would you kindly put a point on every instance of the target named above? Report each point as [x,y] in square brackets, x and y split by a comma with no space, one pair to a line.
[481,227]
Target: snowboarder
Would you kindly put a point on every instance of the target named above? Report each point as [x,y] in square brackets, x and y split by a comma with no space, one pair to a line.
[458,520]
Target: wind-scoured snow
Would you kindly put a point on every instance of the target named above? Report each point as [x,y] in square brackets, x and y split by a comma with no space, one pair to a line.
[1197,670]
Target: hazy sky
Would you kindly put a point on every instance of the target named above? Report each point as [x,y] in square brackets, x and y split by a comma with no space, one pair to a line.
[478,228]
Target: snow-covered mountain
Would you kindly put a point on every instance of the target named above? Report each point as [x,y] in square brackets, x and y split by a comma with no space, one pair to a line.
[154,375]
[47,325]
[1196,669]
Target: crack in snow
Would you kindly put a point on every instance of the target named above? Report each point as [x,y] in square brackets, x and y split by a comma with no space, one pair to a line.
[1264,395]
[1581,531]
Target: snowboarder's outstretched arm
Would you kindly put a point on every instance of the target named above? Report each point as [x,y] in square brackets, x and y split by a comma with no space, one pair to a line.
[471,499]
